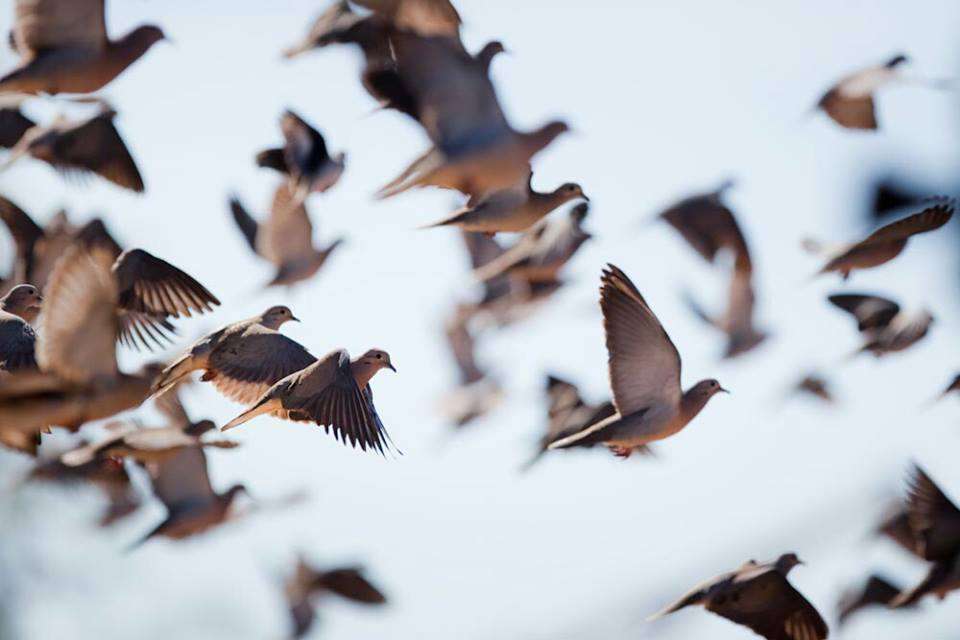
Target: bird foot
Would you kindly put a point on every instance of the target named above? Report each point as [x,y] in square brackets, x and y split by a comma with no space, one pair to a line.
[208,375]
[621,452]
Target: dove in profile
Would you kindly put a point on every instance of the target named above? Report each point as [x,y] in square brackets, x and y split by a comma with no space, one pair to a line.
[876,591]
[886,329]
[303,158]
[850,102]
[308,584]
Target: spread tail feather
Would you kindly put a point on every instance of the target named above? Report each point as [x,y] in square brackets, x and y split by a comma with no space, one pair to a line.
[265,405]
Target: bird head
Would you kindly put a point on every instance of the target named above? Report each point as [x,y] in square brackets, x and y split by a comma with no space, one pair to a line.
[570,191]
[378,359]
[896,61]
[146,36]
[23,300]
[787,561]
[274,317]
[233,491]
[199,428]
[706,389]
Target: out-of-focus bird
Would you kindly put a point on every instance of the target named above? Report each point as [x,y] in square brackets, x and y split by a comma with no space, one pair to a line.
[889,194]
[64,47]
[304,158]
[476,393]
[91,146]
[875,591]
[644,375]
[543,251]
[78,380]
[953,387]
[934,522]
[334,393]
[568,413]
[182,483]
[37,248]
[307,584]
[885,327]
[886,243]
[850,102]
[759,596]
[285,239]
[816,386]
[737,321]
[13,124]
[243,359]
[511,210]
[108,475]
[18,309]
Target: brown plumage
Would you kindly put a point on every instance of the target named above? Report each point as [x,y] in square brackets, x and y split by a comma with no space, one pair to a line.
[303,158]
[886,329]
[107,474]
[23,301]
[850,103]
[476,392]
[18,309]
[285,239]
[91,146]
[13,124]
[334,393]
[307,584]
[64,48]
[816,386]
[887,242]
[953,387]
[760,597]
[242,360]
[876,591]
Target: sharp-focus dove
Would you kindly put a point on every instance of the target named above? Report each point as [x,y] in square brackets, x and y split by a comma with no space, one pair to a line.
[644,370]
[849,102]
[304,158]
[885,327]
[243,359]
[308,584]
[759,596]
[333,392]
[64,48]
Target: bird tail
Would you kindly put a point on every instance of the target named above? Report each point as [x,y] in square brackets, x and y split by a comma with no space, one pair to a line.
[408,178]
[693,598]
[529,464]
[594,434]
[173,374]
[266,404]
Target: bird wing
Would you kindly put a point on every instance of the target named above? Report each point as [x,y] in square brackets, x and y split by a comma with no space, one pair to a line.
[95,145]
[23,229]
[423,17]
[349,583]
[933,517]
[741,300]
[644,363]
[158,439]
[148,284]
[79,326]
[327,394]
[336,19]
[87,453]
[482,250]
[17,343]
[287,235]
[462,346]
[696,595]
[876,591]
[95,234]
[871,312]
[931,218]
[171,406]
[771,607]
[850,112]
[247,225]
[245,366]
[13,124]
[304,146]
[56,24]
[709,226]
[181,480]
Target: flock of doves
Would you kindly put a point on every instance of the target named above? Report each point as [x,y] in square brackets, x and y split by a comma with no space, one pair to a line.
[72,293]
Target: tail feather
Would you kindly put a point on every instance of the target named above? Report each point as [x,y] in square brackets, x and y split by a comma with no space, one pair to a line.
[174,374]
[594,434]
[265,405]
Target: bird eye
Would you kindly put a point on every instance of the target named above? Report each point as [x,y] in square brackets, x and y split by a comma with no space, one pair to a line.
[379,356]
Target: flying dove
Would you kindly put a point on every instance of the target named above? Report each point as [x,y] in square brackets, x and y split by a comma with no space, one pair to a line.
[511,210]
[568,414]
[242,360]
[849,102]
[475,150]
[108,475]
[935,523]
[18,309]
[885,327]
[285,238]
[759,596]
[13,124]
[182,484]
[876,591]
[332,392]
[64,48]
[304,158]
[887,242]
[307,584]
[815,385]
[890,195]
[477,393]
[543,251]
[78,380]
[644,370]
[737,322]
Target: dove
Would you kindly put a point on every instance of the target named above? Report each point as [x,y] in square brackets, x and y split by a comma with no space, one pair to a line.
[568,413]
[477,393]
[644,368]
[737,323]
[815,385]
[876,591]
[511,210]
[23,301]
[887,242]
[78,379]
[37,248]
[285,238]
[64,47]
[304,158]
[885,327]
[243,359]
[182,483]
[850,103]
[307,584]
[108,475]
[758,596]
[333,392]
[13,124]
[18,309]
[543,251]
[91,146]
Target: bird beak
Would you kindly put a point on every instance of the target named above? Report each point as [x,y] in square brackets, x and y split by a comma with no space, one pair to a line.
[585,197]
[724,390]
[295,318]
[391,367]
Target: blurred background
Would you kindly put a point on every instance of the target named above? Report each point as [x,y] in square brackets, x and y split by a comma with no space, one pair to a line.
[664,98]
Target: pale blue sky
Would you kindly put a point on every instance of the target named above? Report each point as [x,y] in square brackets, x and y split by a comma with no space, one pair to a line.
[664,97]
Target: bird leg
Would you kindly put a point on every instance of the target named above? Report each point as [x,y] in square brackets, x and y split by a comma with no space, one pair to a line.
[620,452]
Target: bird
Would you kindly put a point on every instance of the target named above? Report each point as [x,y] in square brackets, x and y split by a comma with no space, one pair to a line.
[285,239]
[475,150]
[78,379]
[333,392]
[476,393]
[243,359]
[543,251]
[108,475]
[877,590]
[37,248]
[568,413]
[737,322]
[887,242]
[758,596]
[23,301]
[64,47]
[511,210]
[182,483]
[308,583]
[644,368]
[850,101]
[815,385]
[18,310]
[885,327]
[303,157]
[84,147]
[13,124]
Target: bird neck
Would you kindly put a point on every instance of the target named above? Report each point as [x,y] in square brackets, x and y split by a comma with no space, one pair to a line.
[692,403]
[129,48]
[363,370]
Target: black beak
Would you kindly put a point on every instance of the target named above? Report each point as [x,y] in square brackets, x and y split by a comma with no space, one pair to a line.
[724,390]
[391,367]
[295,318]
